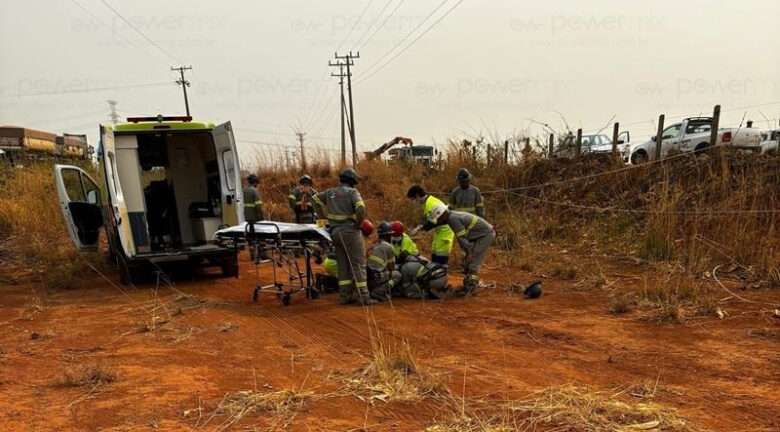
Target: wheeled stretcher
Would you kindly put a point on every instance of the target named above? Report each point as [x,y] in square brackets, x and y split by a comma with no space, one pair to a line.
[280,245]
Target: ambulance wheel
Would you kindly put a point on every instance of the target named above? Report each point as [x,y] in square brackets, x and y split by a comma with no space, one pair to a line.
[286,298]
[254,296]
[230,267]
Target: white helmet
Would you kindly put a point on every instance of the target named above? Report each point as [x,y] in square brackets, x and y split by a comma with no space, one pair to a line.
[436,213]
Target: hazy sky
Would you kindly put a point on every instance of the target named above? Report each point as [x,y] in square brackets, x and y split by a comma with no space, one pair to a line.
[487,67]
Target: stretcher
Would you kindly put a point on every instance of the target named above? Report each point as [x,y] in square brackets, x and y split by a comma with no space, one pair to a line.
[280,245]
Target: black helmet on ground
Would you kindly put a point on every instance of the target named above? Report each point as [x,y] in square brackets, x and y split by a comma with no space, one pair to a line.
[533,291]
[349,176]
[384,229]
[464,174]
[306,180]
[252,179]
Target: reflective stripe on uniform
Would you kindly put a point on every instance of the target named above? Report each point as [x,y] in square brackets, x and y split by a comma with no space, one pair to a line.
[377,260]
[258,203]
[467,209]
[461,233]
[360,204]
[292,197]
[340,217]
[250,205]
[421,271]
[362,284]
[345,282]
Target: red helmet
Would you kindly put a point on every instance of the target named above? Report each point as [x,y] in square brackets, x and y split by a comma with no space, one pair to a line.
[367,227]
[397,228]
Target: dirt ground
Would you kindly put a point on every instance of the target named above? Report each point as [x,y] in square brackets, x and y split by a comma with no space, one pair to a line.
[721,374]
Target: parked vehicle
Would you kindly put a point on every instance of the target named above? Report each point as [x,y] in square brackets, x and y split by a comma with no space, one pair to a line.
[770,141]
[24,143]
[170,184]
[692,135]
[591,143]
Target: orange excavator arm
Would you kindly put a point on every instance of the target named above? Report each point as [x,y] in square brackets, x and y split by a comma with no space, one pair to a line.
[387,146]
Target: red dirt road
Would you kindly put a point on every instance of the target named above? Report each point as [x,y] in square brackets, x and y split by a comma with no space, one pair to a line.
[723,375]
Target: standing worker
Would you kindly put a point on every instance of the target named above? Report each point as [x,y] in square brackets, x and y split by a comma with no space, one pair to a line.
[346,213]
[467,197]
[253,212]
[475,235]
[442,235]
[301,201]
[382,275]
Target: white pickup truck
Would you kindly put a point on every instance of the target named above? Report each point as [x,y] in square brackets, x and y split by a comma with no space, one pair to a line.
[770,141]
[692,135]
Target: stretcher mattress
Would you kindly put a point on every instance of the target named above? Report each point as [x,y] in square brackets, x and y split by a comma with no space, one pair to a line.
[268,230]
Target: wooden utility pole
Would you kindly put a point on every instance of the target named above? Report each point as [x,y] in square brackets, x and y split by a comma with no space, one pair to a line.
[615,134]
[552,146]
[715,126]
[579,143]
[301,135]
[348,62]
[506,152]
[659,137]
[342,109]
[184,84]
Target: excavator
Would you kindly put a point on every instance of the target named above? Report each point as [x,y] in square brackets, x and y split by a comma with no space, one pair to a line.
[376,154]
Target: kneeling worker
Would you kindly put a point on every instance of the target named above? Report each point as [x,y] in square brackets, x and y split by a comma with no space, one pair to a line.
[382,276]
[346,212]
[421,279]
[474,234]
[403,245]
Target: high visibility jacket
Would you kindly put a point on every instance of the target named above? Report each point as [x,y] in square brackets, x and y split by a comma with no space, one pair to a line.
[331,266]
[442,234]
[343,204]
[253,204]
[303,205]
[467,200]
[404,244]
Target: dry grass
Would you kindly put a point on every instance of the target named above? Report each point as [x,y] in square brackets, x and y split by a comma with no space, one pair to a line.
[282,407]
[678,297]
[567,408]
[91,375]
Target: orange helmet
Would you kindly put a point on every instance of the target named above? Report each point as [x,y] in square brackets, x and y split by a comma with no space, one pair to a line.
[367,227]
[397,228]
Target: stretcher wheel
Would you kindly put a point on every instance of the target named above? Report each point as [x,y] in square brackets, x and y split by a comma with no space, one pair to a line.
[254,296]
[286,298]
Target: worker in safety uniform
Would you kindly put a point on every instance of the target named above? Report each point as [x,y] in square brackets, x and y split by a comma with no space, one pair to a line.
[474,234]
[301,202]
[253,212]
[382,276]
[421,279]
[403,245]
[346,212]
[467,197]
[442,234]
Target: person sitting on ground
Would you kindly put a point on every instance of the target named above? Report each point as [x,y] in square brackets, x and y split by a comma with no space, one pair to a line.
[474,234]
[382,276]
[403,245]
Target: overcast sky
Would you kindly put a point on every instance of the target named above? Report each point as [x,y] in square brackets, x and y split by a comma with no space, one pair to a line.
[487,67]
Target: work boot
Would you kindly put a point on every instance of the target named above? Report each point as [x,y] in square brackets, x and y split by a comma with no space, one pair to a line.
[367,301]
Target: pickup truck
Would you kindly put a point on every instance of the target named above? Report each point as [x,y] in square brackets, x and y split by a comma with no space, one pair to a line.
[693,135]
[592,143]
[770,141]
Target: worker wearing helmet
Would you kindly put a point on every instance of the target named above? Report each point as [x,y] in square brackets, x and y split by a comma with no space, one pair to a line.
[346,213]
[403,245]
[382,276]
[467,197]
[253,203]
[301,203]
[442,234]
[474,234]
[421,279]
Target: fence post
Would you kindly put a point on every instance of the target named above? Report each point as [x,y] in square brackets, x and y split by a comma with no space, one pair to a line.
[552,146]
[506,152]
[659,138]
[615,134]
[715,126]
[579,143]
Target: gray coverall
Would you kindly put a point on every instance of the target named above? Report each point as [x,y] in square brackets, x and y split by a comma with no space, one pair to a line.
[417,282]
[467,200]
[381,271]
[253,204]
[303,205]
[475,235]
[345,210]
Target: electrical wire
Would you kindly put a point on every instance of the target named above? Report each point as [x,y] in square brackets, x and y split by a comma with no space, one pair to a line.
[381,26]
[358,41]
[89,90]
[354,26]
[142,34]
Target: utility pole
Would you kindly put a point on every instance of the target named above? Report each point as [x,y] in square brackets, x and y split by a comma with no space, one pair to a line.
[303,155]
[342,108]
[659,136]
[184,84]
[348,63]
[113,115]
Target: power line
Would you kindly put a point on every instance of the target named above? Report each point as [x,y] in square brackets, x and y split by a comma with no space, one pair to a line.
[354,26]
[101,21]
[376,20]
[89,90]
[434,24]
[137,30]
[381,26]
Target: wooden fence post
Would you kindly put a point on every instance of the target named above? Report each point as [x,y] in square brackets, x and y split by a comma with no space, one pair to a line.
[659,138]
[615,134]
[506,152]
[715,126]
[552,145]
[579,143]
